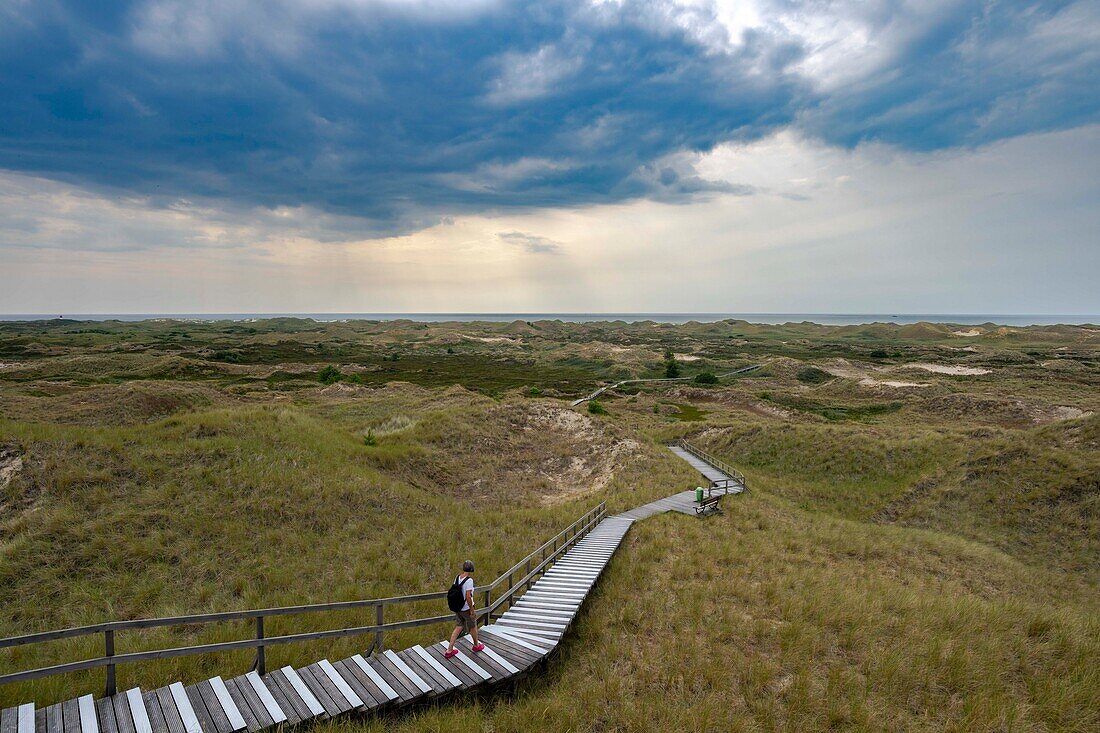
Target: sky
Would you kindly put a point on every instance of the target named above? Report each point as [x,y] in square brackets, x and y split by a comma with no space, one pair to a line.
[925,156]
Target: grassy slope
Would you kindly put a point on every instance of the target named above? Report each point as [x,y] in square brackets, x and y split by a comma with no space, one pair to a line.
[929,566]
[773,618]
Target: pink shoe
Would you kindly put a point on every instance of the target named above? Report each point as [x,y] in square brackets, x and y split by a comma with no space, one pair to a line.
[478,647]
[449,653]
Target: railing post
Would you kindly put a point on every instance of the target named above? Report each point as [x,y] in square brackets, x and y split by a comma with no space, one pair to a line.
[109,651]
[261,657]
[379,614]
[488,612]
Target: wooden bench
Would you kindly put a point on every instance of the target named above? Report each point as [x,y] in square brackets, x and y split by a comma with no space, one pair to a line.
[708,505]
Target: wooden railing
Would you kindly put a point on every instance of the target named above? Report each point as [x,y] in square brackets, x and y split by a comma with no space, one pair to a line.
[531,566]
[716,462]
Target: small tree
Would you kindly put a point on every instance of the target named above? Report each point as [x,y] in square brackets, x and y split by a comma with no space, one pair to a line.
[705,378]
[672,369]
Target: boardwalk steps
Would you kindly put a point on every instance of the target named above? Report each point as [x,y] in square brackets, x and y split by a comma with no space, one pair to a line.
[519,639]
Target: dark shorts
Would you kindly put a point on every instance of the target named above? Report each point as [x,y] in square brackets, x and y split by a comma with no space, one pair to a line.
[465,619]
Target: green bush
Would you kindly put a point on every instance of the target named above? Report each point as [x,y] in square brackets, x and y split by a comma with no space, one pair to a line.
[672,369]
[813,375]
[705,378]
[533,391]
[369,439]
[329,375]
[596,408]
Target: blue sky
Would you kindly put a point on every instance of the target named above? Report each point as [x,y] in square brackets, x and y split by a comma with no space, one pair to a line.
[386,155]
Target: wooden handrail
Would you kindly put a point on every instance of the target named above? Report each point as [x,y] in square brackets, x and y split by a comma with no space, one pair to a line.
[560,543]
[716,462]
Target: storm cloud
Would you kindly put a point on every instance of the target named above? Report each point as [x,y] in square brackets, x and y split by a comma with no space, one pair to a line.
[392,114]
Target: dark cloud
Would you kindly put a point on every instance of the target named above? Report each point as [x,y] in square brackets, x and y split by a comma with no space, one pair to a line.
[395,114]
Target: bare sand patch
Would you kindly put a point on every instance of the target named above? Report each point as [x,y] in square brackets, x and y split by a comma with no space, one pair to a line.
[489,339]
[868,382]
[971,332]
[953,370]
[11,463]
[686,357]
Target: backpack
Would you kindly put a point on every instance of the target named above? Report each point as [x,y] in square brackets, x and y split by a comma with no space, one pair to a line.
[456,597]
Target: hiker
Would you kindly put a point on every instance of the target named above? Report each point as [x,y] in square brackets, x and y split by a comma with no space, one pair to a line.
[460,599]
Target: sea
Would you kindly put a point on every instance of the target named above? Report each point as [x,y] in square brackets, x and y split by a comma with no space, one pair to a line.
[828,319]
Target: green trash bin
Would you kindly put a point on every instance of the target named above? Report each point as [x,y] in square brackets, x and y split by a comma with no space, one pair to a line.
[698,494]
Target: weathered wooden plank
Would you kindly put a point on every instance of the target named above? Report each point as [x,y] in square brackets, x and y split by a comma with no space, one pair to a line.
[40,720]
[202,713]
[168,708]
[188,717]
[417,665]
[251,722]
[486,662]
[374,677]
[156,715]
[89,723]
[107,722]
[213,707]
[332,702]
[447,674]
[290,705]
[518,656]
[236,720]
[342,685]
[123,716]
[471,673]
[404,687]
[138,711]
[370,695]
[540,650]
[312,703]
[9,720]
[413,676]
[55,719]
[273,708]
[70,716]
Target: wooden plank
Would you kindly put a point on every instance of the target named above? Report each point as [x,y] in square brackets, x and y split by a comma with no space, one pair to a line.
[107,722]
[466,677]
[417,665]
[534,636]
[55,719]
[156,715]
[40,720]
[236,720]
[213,707]
[251,722]
[312,703]
[341,684]
[478,673]
[518,656]
[374,677]
[138,711]
[123,716]
[70,716]
[435,665]
[413,676]
[198,706]
[493,667]
[168,708]
[405,689]
[539,622]
[330,701]
[290,704]
[371,696]
[540,650]
[273,708]
[184,708]
[88,720]
[553,614]
[9,720]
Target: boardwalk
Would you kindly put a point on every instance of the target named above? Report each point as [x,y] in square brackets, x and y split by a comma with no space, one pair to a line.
[515,642]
